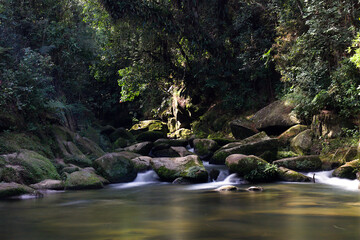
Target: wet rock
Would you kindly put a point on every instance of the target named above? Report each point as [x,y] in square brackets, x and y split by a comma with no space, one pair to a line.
[348,170]
[149,125]
[164,150]
[49,184]
[83,180]
[13,189]
[286,136]
[141,148]
[171,142]
[227,188]
[242,128]
[182,151]
[117,167]
[142,163]
[107,130]
[121,133]
[205,148]
[182,133]
[255,189]
[181,181]
[301,163]
[150,136]
[189,167]
[288,175]
[214,174]
[275,118]
[303,142]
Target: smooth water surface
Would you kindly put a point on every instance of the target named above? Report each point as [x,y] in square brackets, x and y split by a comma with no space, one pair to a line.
[164,211]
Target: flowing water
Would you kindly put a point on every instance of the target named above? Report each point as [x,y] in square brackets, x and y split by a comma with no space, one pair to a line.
[149,210]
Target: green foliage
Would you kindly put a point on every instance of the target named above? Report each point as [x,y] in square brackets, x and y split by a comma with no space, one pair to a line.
[263,173]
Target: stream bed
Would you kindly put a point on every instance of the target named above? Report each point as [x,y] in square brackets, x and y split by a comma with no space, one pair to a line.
[147,209]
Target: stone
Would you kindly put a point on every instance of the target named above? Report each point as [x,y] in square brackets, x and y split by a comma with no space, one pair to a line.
[171,142]
[347,170]
[83,180]
[182,133]
[12,189]
[107,130]
[288,175]
[181,181]
[142,148]
[88,147]
[275,118]
[150,136]
[189,167]
[164,150]
[328,124]
[301,163]
[182,151]
[254,189]
[49,184]
[142,163]
[303,142]
[214,174]
[32,166]
[227,188]
[205,148]
[251,167]
[242,128]
[259,148]
[121,133]
[286,136]
[117,167]
[149,125]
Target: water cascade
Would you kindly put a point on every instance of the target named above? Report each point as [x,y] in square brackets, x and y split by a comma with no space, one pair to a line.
[325,177]
[144,178]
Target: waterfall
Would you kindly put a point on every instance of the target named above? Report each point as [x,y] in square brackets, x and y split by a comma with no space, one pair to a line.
[325,177]
[141,179]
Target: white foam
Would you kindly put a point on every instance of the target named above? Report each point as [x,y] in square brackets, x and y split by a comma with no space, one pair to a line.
[231,179]
[141,179]
[325,177]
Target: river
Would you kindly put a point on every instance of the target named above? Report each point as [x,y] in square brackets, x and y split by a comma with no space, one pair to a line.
[150,210]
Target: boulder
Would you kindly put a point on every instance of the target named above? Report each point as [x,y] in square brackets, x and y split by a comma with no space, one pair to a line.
[255,189]
[49,184]
[182,151]
[142,148]
[205,148]
[107,130]
[301,163]
[189,167]
[150,136]
[222,141]
[242,128]
[275,118]
[149,125]
[286,154]
[264,148]
[71,168]
[121,133]
[83,180]
[348,170]
[182,133]
[288,175]
[13,189]
[181,181]
[303,142]
[117,167]
[227,188]
[171,142]
[252,168]
[164,150]
[88,147]
[328,124]
[142,163]
[286,136]
[30,166]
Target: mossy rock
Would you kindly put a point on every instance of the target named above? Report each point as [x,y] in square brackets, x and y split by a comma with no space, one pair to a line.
[268,146]
[286,154]
[288,175]
[107,130]
[303,142]
[222,141]
[117,167]
[205,148]
[252,168]
[301,163]
[171,142]
[142,148]
[70,169]
[49,184]
[121,133]
[36,167]
[89,148]
[83,180]
[242,128]
[189,167]
[142,163]
[286,136]
[164,151]
[150,136]
[121,143]
[348,170]
[13,189]
[182,133]
[12,174]
[149,125]
[78,161]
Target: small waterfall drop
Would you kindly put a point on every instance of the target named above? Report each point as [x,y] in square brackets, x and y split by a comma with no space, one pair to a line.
[325,177]
[141,179]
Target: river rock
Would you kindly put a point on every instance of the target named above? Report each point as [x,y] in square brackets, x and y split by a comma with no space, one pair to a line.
[151,136]
[28,167]
[121,133]
[263,148]
[13,189]
[141,148]
[142,163]
[83,180]
[149,125]
[182,181]
[251,167]
[182,151]
[348,170]
[88,147]
[171,142]
[49,184]
[254,189]
[214,174]
[303,142]
[242,128]
[117,167]
[164,150]
[189,167]
[301,163]
[275,118]
[107,130]
[205,148]
[288,175]
[286,136]
[227,188]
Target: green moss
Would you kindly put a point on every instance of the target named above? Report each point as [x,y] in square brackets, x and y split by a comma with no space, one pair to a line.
[13,189]
[286,154]
[82,180]
[167,174]
[121,143]
[9,174]
[78,161]
[151,136]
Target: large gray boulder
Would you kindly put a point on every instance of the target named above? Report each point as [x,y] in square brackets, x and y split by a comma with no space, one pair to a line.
[189,167]
[205,148]
[149,125]
[301,163]
[117,167]
[252,168]
[264,148]
[242,128]
[142,163]
[142,148]
[348,170]
[275,118]
[288,175]
[50,184]
[303,142]
[83,180]
[13,189]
